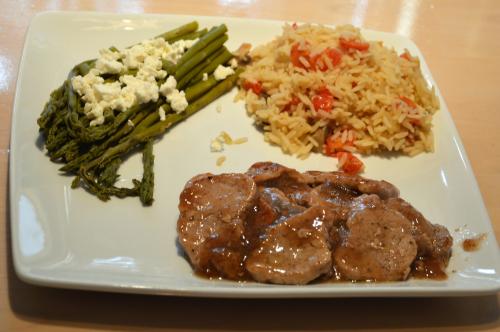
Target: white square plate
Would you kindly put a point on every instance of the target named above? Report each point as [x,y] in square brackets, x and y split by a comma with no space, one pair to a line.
[68,238]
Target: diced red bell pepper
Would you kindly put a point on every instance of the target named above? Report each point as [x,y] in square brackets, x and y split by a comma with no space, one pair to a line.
[333,146]
[294,102]
[333,54]
[406,56]
[352,164]
[408,101]
[349,44]
[415,122]
[323,100]
[296,54]
[256,87]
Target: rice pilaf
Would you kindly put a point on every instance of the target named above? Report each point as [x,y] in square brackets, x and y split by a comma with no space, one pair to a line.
[328,90]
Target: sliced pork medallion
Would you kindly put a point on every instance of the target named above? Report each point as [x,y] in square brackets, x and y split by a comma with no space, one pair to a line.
[266,170]
[213,210]
[273,207]
[333,193]
[295,252]
[278,201]
[271,175]
[434,241]
[277,225]
[353,183]
[379,245]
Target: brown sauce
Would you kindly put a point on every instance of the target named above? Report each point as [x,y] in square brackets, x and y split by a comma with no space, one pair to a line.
[428,268]
[422,268]
[225,256]
[261,216]
[473,244]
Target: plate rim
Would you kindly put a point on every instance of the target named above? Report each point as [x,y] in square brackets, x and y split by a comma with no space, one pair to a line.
[26,274]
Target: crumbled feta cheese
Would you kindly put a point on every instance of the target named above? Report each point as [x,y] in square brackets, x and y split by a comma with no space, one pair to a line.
[145,91]
[107,91]
[177,100]
[97,113]
[96,94]
[161,113]
[205,77]
[151,69]
[177,50]
[130,123]
[97,121]
[233,63]
[108,62]
[169,86]
[83,85]
[126,100]
[216,146]
[145,57]
[134,56]
[222,72]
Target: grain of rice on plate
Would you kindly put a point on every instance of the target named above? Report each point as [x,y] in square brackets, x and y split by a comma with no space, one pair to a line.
[320,89]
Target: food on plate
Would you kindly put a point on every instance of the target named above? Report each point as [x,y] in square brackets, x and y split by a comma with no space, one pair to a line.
[315,88]
[220,160]
[124,99]
[474,243]
[274,224]
[217,144]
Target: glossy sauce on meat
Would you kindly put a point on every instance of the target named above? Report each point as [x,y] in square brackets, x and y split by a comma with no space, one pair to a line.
[276,225]
[428,268]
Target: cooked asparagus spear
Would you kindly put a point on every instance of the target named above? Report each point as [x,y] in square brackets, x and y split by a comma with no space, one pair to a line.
[95,153]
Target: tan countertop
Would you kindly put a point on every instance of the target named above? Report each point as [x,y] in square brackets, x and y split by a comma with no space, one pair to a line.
[461,43]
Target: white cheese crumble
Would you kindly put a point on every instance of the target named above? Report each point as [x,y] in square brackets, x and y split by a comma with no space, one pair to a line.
[161,113]
[97,113]
[130,123]
[108,62]
[216,145]
[97,95]
[205,77]
[169,86]
[107,91]
[176,98]
[144,91]
[222,72]
[233,63]
[151,69]
[145,59]
[177,49]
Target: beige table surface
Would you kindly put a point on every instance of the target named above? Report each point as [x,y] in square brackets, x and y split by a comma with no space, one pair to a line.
[461,42]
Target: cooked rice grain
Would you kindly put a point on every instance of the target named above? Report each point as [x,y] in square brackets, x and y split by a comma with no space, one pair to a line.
[368,87]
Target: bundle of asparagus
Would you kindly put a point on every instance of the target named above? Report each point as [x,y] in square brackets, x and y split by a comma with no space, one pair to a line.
[94,153]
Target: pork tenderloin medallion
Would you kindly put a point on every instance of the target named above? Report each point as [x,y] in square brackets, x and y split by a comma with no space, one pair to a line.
[433,241]
[294,252]
[211,225]
[379,245]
